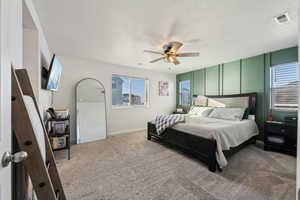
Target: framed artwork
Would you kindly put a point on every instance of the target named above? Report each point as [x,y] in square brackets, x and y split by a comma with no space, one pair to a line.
[163,88]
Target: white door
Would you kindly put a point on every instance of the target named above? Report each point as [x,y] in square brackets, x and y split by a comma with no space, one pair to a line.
[10,54]
[91,111]
[5,108]
[5,134]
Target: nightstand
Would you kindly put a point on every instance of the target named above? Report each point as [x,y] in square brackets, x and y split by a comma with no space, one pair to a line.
[175,112]
[281,137]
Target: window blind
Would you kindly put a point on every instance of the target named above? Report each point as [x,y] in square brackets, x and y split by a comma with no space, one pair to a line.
[284,86]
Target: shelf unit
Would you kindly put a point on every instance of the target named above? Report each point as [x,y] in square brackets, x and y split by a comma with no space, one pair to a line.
[54,135]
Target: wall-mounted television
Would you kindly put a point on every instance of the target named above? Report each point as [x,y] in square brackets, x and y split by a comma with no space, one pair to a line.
[53,75]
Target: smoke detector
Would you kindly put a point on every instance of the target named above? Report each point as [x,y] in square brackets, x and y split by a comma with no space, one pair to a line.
[282,18]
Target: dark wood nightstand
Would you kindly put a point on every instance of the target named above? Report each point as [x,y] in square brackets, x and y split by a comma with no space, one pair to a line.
[175,112]
[281,137]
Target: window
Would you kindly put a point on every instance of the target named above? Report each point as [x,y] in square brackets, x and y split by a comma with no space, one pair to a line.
[185,93]
[284,86]
[138,92]
[128,91]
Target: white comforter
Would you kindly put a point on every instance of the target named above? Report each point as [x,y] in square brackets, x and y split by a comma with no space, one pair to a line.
[226,133]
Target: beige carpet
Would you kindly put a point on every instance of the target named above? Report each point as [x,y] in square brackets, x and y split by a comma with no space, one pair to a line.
[131,167]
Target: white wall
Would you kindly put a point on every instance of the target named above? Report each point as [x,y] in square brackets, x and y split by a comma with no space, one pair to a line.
[119,120]
[34,46]
[31,58]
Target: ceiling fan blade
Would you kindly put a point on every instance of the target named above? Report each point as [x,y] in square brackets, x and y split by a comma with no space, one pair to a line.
[176,61]
[187,54]
[173,59]
[158,59]
[155,52]
[175,46]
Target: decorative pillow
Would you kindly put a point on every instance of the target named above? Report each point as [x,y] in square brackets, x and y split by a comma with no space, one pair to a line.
[201,101]
[200,111]
[247,113]
[215,103]
[235,114]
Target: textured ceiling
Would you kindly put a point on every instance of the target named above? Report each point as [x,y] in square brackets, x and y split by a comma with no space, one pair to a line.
[117,31]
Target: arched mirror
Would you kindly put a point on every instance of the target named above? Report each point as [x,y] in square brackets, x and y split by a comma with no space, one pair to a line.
[91,111]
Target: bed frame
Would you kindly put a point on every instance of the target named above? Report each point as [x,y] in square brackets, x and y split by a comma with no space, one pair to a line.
[202,148]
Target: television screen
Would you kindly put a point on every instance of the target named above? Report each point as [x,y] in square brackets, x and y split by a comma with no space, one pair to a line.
[54,74]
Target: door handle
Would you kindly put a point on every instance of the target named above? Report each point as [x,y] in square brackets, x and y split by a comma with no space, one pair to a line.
[14,158]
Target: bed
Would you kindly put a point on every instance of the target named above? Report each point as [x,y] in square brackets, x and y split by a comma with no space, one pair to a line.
[212,140]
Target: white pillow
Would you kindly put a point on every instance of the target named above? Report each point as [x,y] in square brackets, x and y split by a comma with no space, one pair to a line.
[200,111]
[201,101]
[235,114]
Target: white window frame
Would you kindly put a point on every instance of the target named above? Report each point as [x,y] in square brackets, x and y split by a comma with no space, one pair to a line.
[287,108]
[146,90]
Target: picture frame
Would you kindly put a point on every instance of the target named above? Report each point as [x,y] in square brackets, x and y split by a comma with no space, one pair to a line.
[163,88]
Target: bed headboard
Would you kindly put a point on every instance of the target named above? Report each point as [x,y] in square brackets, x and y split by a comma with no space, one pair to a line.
[236,100]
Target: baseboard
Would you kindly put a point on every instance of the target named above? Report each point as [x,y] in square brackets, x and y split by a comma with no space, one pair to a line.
[126,131]
[91,139]
[74,141]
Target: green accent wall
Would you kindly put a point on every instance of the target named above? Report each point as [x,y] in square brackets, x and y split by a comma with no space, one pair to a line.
[232,78]
[199,82]
[242,76]
[253,80]
[212,80]
[284,56]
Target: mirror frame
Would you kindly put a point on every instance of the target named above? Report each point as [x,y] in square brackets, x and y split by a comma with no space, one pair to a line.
[77,118]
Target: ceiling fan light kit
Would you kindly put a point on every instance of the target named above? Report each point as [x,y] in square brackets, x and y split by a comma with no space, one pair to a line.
[170,53]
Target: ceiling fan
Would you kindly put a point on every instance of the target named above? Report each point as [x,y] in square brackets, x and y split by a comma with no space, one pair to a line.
[170,54]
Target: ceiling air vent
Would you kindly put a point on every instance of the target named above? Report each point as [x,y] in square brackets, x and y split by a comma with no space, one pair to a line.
[283,18]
